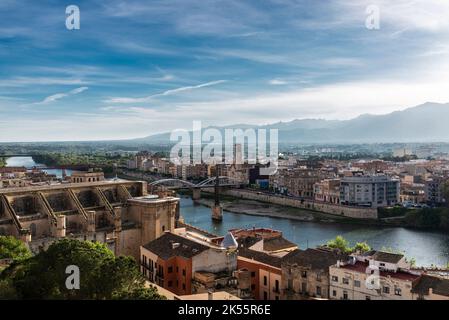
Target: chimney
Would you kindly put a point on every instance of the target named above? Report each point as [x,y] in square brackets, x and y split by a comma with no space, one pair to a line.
[210,295]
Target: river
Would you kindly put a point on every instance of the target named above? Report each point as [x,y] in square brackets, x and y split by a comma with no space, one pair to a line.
[426,247]
[29,163]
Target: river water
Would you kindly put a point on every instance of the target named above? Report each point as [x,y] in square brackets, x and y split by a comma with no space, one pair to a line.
[29,163]
[426,247]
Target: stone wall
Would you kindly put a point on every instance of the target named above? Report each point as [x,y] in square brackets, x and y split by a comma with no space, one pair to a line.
[346,211]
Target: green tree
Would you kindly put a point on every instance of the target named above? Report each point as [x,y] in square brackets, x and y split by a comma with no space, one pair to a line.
[102,275]
[339,243]
[11,248]
[361,247]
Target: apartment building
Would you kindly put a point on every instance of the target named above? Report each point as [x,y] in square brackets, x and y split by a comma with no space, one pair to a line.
[369,190]
[373,276]
[305,273]
[328,191]
[260,253]
[176,259]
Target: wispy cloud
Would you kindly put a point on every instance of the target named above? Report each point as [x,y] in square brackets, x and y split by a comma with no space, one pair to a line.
[58,96]
[277,82]
[165,93]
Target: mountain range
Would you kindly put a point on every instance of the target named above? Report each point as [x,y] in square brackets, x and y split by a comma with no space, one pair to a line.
[428,122]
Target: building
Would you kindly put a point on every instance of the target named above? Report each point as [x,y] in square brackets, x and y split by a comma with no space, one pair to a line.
[185,262]
[305,273]
[369,190]
[260,254]
[430,287]
[434,189]
[83,176]
[373,276]
[118,213]
[297,182]
[328,191]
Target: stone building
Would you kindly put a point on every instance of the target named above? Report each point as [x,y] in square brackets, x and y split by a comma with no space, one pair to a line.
[83,177]
[305,273]
[118,213]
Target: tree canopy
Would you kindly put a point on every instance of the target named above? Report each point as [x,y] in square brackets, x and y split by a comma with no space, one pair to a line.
[342,244]
[101,274]
[11,248]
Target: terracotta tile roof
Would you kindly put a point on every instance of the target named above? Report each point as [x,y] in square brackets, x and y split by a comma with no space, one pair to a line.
[314,258]
[439,285]
[277,243]
[387,257]
[171,245]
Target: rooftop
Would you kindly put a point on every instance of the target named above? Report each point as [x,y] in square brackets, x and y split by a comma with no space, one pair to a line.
[314,258]
[362,266]
[171,245]
[437,284]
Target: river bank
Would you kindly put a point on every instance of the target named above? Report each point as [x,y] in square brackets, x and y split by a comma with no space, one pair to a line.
[257,208]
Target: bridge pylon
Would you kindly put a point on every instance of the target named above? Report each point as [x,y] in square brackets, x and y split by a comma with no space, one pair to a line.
[196,193]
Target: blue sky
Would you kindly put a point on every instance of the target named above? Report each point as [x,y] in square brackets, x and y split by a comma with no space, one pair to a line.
[137,68]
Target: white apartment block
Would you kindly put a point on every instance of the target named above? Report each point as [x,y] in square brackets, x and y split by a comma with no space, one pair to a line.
[373,276]
[369,191]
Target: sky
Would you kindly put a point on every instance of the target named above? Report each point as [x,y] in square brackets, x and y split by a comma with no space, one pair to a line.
[136,68]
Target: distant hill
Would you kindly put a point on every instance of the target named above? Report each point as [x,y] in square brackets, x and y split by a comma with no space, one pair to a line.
[424,123]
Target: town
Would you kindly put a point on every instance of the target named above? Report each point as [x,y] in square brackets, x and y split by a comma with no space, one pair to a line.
[136,212]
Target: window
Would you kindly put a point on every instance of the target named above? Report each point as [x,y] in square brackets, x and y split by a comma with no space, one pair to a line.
[345,295]
[170,269]
[334,278]
[397,291]
[386,290]
[264,280]
[276,298]
[318,277]
[183,286]
[334,293]
[177,269]
[357,283]
[265,295]
[253,287]
[304,274]
[170,283]
[276,285]
[345,281]
[318,291]
[184,272]
[253,274]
